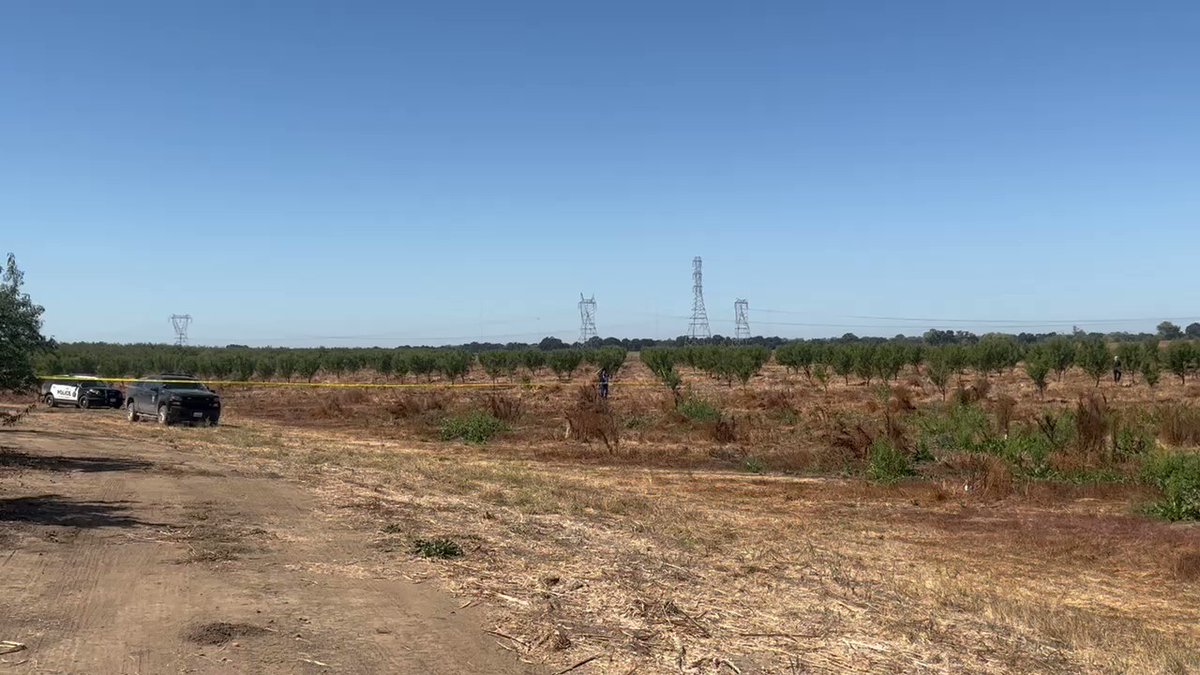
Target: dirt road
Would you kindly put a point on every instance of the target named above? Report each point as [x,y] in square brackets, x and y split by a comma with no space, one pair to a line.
[120,556]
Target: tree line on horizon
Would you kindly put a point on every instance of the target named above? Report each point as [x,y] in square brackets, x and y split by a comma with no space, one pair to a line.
[868,358]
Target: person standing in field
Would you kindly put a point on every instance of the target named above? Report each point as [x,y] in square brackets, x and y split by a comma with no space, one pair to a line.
[1117,369]
[603,383]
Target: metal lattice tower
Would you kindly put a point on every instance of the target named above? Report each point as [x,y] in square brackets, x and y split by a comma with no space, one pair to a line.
[587,318]
[741,319]
[698,328]
[180,323]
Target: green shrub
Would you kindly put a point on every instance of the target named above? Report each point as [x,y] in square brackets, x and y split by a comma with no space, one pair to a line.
[1178,477]
[699,410]
[754,465]
[476,427]
[437,548]
[887,463]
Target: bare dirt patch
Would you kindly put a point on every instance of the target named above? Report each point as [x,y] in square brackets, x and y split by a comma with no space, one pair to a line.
[220,632]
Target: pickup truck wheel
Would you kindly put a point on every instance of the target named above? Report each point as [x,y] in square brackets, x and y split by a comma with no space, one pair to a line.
[164,417]
[133,416]
[50,400]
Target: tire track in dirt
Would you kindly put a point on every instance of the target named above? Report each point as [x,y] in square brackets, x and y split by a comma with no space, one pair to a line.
[123,591]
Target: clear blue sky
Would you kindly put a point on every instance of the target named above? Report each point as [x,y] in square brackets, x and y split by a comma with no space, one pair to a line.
[381,173]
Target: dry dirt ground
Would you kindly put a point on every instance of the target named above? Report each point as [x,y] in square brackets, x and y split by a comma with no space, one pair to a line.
[120,555]
[134,548]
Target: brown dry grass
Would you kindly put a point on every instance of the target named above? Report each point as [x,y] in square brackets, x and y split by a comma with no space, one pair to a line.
[657,568]
[665,556]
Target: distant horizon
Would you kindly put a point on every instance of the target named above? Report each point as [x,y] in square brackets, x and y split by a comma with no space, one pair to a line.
[679,338]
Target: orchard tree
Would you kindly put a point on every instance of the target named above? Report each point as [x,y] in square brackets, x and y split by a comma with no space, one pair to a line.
[1131,355]
[533,360]
[939,367]
[1179,358]
[842,360]
[1094,358]
[1037,367]
[20,331]
[1150,372]
[1061,354]
[564,362]
[455,364]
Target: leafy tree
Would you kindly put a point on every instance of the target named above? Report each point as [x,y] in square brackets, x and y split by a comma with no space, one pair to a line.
[820,373]
[422,362]
[1150,372]
[286,364]
[455,364]
[914,355]
[385,364]
[1179,357]
[495,364]
[1193,330]
[608,358]
[20,331]
[796,356]
[1094,358]
[994,352]
[1037,367]
[564,362]
[1169,331]
[308,366]
[533,360]
[1061,353]
[939,367]
[243,367]
[401,364]
[1131,355]
[889,361]
[864,362]
[744,362]
[661,362]
[842,360]
[265,368]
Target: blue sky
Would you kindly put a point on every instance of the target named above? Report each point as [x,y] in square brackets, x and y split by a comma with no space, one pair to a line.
[384,173]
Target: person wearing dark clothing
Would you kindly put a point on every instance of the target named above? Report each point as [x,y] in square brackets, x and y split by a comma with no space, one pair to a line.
[603,383]
[1116,369]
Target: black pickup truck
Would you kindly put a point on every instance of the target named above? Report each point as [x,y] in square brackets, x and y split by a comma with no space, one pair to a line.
[83,391]
[173,398]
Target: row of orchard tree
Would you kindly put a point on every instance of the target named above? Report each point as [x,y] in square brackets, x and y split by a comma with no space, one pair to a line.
[821,361]
[240,363]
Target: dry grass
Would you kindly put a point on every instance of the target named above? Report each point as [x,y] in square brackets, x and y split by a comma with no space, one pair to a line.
[1179,424]
[984,475]
[504,407]
[663,571]
[1187,566]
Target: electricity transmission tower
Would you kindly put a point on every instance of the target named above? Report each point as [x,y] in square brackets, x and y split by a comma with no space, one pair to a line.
[587,318]
[698,328]
[741,318]
[180,323]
